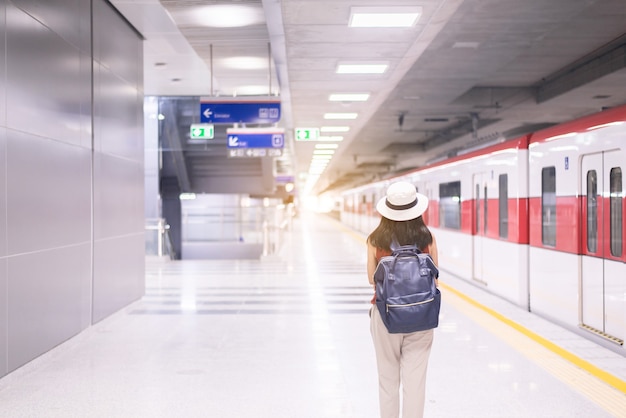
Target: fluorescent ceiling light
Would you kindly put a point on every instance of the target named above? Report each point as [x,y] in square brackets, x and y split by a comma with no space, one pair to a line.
[330,138]
[326,146]
[244,63]
[384,17]
[334,129]
[220,16]
[340,115]
[349,97]
[323,152]
[362,68]
[250,90]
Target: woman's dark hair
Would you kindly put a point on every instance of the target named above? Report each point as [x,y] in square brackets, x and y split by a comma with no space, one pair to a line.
[413,232]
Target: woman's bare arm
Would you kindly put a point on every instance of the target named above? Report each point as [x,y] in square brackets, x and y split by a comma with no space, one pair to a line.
[371,262]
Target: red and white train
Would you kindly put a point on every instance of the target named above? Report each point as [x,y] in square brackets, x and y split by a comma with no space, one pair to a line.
[537,220]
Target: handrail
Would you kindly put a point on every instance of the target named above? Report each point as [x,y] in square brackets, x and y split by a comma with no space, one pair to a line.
[163,240]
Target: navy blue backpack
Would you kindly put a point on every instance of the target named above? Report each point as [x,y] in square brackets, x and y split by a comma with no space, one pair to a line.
[406,294]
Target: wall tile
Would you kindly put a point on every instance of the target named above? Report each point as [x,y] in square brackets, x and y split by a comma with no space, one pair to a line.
[42,93]
[48,193]
[119,274]
[3,193]
[4,368]
[118,197]
[48,300]
[69,18]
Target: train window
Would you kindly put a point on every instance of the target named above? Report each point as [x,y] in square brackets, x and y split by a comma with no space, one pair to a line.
[548,206]
[485,211]
[616,211]
[592,211]
[503,205]
[477,208]
[450,205]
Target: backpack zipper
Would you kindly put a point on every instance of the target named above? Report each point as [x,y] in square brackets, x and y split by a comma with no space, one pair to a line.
[410,304]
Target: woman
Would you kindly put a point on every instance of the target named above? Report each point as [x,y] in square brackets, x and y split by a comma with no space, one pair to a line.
[400,357]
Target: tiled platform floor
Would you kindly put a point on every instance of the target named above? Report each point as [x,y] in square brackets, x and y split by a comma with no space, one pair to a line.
[288,336]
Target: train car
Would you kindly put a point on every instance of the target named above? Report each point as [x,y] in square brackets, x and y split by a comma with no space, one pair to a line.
[577,262]
[477,212]
[537,220]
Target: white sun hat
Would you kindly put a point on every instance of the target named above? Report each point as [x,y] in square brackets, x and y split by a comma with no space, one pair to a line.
[402,202]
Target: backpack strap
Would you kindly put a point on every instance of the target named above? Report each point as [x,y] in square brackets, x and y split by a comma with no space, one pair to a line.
[405,250]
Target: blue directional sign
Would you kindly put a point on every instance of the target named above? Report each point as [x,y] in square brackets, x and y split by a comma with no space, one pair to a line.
[255,138]
[239,112]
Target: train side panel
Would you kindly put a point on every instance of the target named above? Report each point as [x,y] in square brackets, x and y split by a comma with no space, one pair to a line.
[576,208]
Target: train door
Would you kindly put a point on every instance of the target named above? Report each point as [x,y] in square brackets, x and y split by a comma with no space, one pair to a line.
[599,183]
[479,227]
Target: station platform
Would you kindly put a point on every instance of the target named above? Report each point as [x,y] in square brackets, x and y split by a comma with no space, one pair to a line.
[288,336]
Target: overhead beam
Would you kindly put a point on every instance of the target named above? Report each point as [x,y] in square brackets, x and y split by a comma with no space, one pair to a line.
[604,61]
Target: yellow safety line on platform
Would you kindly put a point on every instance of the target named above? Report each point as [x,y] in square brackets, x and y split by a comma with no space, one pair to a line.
[572,358]
[602,375]
[594,388]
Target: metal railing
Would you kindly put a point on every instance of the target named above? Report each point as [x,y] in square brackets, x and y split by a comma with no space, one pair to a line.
[158,240]
[248,225]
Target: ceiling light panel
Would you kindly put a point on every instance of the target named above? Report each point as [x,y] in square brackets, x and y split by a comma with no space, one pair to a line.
[330,138]
[373,68]
[349,97]
[221,16]
[334,129]
[384,17]
[340,115]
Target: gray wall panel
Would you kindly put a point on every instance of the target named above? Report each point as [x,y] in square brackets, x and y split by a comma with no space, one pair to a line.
[3,193]
[48,273]
[119,269]
[68,18]
[118,197]
[3,86]
[43,96]
[48,193]
[118,128]
[48,300]
[86,134]
[4,339]
[111,46]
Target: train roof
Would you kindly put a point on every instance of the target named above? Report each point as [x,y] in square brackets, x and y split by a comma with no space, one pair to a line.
[586,123]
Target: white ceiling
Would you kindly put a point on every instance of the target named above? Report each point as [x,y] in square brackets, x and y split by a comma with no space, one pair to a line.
[469,72]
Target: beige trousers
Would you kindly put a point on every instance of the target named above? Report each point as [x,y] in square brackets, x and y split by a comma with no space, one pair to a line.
[401,358]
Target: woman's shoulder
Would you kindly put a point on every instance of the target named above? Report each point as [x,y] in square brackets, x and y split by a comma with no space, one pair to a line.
[381,252]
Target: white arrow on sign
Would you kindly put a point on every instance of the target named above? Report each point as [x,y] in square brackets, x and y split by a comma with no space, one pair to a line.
[207,113]
[233,141]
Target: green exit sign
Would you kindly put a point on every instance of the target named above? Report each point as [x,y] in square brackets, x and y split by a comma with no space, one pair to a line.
[201,131]
[307,134]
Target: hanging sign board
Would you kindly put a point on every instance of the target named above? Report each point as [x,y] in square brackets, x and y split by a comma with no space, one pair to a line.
[222,111]
[255,138]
